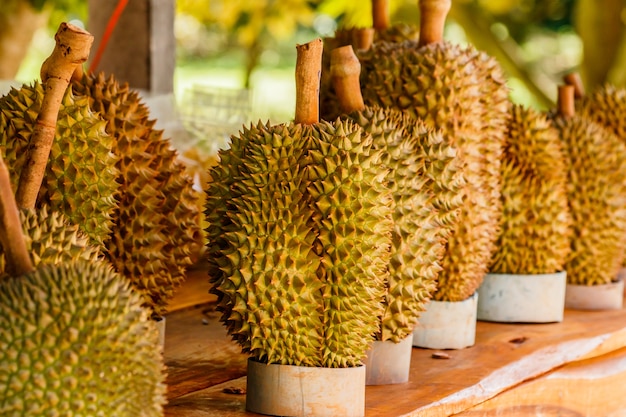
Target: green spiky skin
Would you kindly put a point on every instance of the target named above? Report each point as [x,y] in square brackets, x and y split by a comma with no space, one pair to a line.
[80,175]
[461,91]
[355,220]
[156,228]
[596,164]
[536,223]
[427,186]
[605,106]
[397,33]
[296,281]
[51,239]
[75,341]
[268,289]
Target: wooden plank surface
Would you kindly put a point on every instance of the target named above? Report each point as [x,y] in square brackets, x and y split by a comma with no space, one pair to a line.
[207,371]
[593,387]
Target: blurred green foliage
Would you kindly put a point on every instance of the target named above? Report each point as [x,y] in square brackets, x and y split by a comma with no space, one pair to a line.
[536,41]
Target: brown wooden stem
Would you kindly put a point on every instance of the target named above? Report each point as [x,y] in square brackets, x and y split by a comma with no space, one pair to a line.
[574,80]
[345,70]
[72,49]
[565,103]
[380,14]
[362,38]
[11,235]
[433,15]
[308,72]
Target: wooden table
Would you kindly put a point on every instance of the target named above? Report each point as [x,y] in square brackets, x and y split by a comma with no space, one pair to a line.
[573,368]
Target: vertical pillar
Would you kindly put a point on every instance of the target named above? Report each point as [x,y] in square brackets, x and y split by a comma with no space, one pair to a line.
[141,49]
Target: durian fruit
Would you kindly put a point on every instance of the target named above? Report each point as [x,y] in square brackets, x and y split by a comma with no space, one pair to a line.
[361,39]
[463,92]
[385,31]
[596,164]
[300,221]
[50,239]
[604,105]
[74,338]
[536,224]
[427,184]
[157,224]
[80,178]
[75,341]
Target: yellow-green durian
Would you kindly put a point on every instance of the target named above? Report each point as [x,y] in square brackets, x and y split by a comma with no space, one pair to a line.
[536,223]
[596,165]
[51,239]
[75,341]
[80,178]
[301,261]
[463,92]
[156,227]
[427,186]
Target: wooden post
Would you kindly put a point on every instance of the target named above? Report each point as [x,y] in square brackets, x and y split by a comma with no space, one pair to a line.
[141,50]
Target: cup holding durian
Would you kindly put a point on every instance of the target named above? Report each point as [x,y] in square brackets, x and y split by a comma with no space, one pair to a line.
[527,277]
[427,185]
[75,338]
[299,238]
[595,158]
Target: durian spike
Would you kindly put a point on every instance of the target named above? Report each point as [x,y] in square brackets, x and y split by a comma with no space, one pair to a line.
[72,49]
[363,38]
[380,14]
[565,101]
[308,72]
[433,15]
[573,79]
[345,70]
[11,236]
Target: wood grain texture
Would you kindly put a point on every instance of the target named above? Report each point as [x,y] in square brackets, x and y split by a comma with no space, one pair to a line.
[521,368]
[593,387]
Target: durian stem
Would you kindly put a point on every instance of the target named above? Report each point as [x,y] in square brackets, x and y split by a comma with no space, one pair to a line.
[565,103]
[11,235]
[72,49]
[363,38]
[380,14]
[433,15]
[574,80]
[345,70]
[308,72]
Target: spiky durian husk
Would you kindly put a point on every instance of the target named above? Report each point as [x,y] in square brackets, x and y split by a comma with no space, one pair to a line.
[384,41]
[354,209]
[156,228]
[461,91]
[51,239]
[75,341]
[427,187]
[80,175]
[398,32]
[288,207]
[605,106]
[536,223]
[596,164]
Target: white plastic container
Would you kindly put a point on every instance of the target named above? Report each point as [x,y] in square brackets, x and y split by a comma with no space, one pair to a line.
[288,390]
[388,362]
[447,325]
[517,298]
[595,297]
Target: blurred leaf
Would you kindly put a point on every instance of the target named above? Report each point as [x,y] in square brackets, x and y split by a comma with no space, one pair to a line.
[601,28]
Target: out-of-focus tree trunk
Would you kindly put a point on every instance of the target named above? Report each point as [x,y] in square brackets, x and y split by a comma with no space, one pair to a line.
[18,23]
[601,29]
